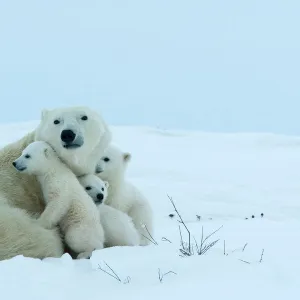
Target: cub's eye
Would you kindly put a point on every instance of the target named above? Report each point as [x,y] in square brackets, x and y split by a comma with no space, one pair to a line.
[106,159]
[56,122]
[84,118]
[88,188]
[102,189]
[27,156]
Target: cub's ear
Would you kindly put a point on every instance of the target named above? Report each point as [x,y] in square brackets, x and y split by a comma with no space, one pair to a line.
[106,184]
[126,156]
[44,113]
[46,152]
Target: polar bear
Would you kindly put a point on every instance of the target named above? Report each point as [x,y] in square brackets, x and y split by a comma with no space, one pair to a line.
[123,195]
[19,228]
[118,227]
[78,135]
[67,203]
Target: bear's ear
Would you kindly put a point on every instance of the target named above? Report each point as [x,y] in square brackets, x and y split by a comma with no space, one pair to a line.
[126,156]
[44,113]
[106,184]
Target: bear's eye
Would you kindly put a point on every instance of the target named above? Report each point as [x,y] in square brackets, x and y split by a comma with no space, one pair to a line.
[27,156]
[106,159]
[88,188]
[84,118]
[102,189]
[56,122]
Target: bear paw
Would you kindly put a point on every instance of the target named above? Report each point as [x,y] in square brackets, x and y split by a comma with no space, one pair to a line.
[84,255]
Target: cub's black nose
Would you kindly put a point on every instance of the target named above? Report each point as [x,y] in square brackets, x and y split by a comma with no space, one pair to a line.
[67,136]
[14,163]
[100,196]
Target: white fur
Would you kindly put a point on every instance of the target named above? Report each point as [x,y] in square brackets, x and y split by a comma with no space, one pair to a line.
[122,194]
[93,134]
[118,226]
[22,193]
[24,236]
[67,203]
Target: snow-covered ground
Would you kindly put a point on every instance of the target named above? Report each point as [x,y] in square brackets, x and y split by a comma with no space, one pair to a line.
[224,179]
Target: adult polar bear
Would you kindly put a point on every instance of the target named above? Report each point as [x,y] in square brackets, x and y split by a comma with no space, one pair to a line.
[79,135]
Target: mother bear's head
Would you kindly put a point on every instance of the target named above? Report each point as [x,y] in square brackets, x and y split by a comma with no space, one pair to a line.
[79,135]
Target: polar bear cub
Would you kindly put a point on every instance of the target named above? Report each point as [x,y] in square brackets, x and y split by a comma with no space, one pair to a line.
[67,203]
[123,195]
[118,227]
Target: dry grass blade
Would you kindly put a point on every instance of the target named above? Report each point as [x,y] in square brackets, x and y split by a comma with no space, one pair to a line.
[127,280]
[113,271]
[196,244]
[181,220]
[161,276]
[204,248]
[114,275]
[181,240]
[211,234]
[207,247]
[261,256]
[246,262]
[153,242]
[166,240]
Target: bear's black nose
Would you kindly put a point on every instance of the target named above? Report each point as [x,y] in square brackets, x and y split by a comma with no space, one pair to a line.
[67,136]
[100,196]
[14,163]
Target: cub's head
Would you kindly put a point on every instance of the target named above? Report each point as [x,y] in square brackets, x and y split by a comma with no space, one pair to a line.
[76,134]
[35,158]
[113,164]
[95,187]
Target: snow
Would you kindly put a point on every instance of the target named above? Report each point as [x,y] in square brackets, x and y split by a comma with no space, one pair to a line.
[224,178]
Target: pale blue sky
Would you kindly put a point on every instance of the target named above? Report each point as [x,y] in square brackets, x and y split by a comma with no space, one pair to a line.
[208,65]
